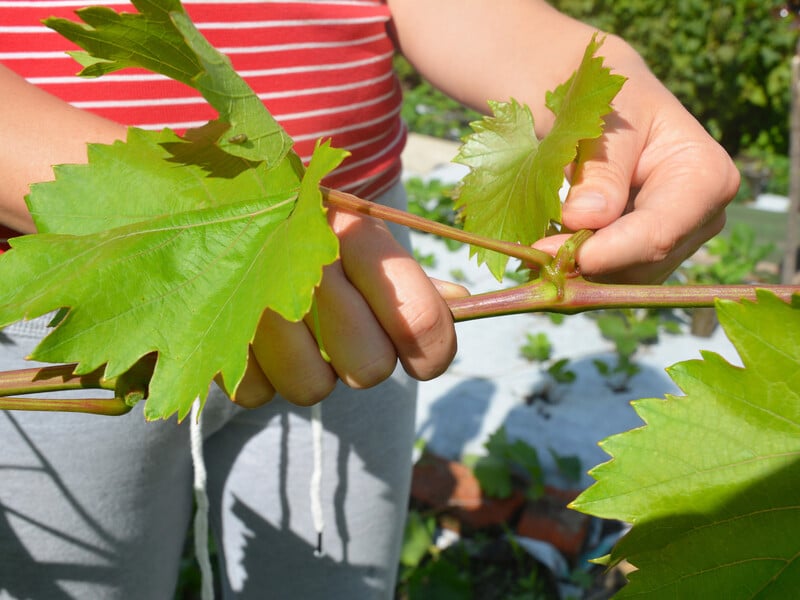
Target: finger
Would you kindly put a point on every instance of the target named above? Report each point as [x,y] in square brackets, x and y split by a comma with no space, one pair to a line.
[255,389]
[601,183]
[360,351]
[402,298]
[290,359]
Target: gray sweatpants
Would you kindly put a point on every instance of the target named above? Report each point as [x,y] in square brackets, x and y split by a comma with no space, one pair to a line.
[98,507]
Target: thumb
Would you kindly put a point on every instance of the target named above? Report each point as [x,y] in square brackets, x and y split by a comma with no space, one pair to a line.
[601,184]
[448,289]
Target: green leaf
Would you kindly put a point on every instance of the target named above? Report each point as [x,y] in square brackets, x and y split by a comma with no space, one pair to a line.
[494,470]
[161,38]
[537,347]
[417,538]
[170,245]
[511,191]
[494,476]
[183,284]
[710,483]
[153,174]
[568,466]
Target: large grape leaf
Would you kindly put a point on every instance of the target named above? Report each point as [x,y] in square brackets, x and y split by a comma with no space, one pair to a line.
[711,483]
[189,284]
[511,191]
[171,245]
[161,38]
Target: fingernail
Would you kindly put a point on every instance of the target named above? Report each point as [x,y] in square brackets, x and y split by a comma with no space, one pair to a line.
[586,202]
[449,290]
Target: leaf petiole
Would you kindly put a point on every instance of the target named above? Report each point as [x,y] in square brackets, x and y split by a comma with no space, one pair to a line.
[353,203]
[59,378]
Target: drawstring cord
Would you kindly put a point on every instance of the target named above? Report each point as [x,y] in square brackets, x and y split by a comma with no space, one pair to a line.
[201,494]
[315,486]
[201,500]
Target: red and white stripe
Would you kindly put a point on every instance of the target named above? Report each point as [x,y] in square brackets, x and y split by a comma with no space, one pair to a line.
[322,67]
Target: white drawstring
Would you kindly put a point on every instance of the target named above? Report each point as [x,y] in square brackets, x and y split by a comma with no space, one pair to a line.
[201,500]
[315,487]
[201,495]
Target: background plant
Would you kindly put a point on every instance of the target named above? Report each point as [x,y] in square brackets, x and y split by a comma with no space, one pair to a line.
[733,258]
[538,349]
[428,111]
[728,62]
[629,329]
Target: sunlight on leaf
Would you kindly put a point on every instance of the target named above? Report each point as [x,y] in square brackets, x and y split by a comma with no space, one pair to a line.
[190,285]
[162,39]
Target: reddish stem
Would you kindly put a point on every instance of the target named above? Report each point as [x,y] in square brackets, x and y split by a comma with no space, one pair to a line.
[353,203]
[579,295]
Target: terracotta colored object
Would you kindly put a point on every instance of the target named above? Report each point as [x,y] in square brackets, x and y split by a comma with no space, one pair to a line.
[548,519]
[450,487]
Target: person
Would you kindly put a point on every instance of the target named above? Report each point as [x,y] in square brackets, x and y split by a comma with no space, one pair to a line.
[92,507]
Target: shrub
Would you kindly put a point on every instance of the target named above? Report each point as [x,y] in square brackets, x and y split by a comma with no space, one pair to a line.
[728,62]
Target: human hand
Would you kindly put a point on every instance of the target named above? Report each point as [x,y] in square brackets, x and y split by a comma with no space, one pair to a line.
[654,187]
[375,305]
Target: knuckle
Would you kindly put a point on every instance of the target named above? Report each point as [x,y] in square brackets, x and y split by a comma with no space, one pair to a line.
[250,398]
[661,243]
[372,372]
[309,395]
[432,337]
[426,322]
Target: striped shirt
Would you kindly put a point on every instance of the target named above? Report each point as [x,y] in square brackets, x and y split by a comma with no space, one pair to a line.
[323,68]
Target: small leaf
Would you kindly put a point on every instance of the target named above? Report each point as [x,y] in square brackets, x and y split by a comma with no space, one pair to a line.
[537,347]
[710,483]
[512,190]
[494,476]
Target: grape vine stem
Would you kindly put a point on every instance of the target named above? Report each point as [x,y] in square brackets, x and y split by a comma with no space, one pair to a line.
[559,288]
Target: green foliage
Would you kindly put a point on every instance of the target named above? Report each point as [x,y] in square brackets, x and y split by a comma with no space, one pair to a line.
[431,199]
[489,568]
[736,257]
[728,62]
[495,471]
[569,467]
[417,539]
[511,191]
[628,329]
[537,347]
[710,482]
[180,250]
[560,373]
[438,579]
